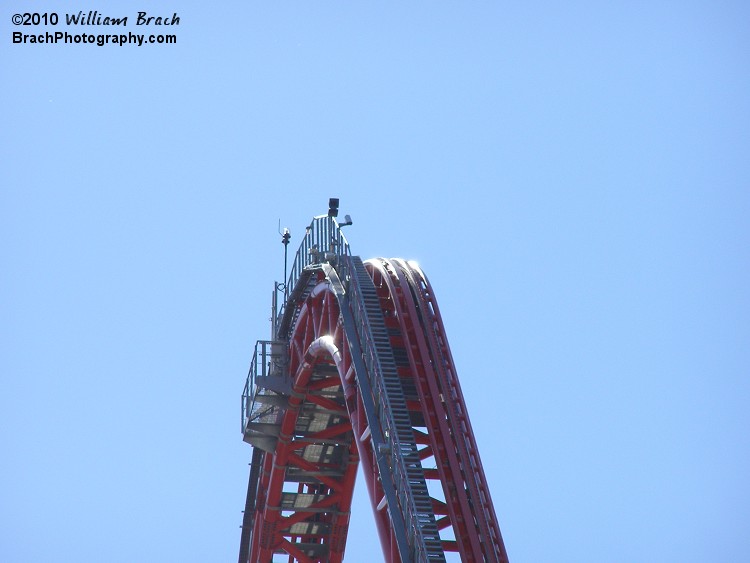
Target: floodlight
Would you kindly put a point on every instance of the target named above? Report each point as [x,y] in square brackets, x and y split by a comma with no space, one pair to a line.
[333,207]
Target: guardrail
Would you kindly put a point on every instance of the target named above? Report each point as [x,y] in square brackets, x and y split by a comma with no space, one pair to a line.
[261,365]
[323,242]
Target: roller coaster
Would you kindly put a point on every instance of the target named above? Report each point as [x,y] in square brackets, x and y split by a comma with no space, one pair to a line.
[358,372]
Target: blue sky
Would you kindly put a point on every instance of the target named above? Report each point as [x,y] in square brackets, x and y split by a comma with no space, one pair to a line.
[573,178]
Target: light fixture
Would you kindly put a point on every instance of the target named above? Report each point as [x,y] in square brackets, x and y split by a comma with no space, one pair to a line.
[333,207]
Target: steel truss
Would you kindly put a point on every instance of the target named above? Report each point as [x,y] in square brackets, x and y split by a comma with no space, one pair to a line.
[360,373]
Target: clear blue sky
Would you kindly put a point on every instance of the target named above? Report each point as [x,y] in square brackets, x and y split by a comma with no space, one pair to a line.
[574,179]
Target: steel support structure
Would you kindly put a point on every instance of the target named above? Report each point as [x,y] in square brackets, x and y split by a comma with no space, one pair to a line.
[359,373]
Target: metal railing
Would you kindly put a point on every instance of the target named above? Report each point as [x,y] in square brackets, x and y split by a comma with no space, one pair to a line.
[267,360]
[323,242]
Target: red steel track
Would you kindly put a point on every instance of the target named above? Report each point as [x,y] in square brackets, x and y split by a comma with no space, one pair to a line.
[312,428]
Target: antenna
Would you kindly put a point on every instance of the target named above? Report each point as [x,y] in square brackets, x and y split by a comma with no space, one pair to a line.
[285,237]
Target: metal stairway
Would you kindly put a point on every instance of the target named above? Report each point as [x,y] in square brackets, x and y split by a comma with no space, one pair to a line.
[400,468]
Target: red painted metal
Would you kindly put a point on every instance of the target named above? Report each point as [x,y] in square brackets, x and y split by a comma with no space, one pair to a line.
[448,450]
[273,530]
[467,506]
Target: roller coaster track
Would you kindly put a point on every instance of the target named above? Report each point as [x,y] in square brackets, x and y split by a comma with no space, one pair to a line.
[359,373]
